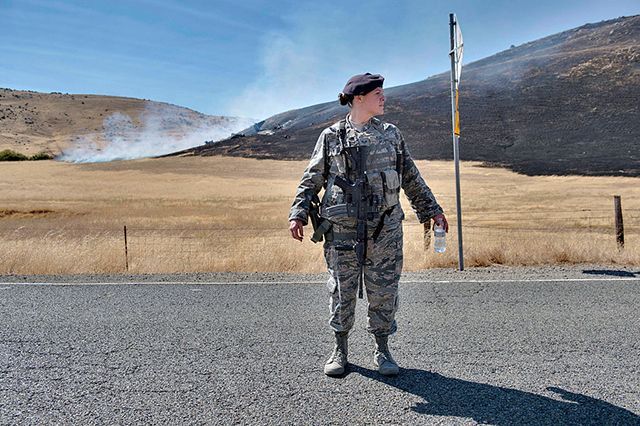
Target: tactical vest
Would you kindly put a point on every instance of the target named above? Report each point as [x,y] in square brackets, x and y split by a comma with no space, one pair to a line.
[383,171]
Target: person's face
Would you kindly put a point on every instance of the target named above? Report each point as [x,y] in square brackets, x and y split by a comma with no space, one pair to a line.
[372,102]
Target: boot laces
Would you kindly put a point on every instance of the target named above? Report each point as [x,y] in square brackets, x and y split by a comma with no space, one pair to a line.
[338,355]
[386,354]
[382,349]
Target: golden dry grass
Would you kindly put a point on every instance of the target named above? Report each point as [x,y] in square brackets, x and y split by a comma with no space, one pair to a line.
[230,214]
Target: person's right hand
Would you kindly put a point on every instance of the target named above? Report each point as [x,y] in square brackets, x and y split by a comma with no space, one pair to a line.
[295,227]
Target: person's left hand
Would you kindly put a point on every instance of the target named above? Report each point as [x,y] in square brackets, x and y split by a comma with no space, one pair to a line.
[441,220]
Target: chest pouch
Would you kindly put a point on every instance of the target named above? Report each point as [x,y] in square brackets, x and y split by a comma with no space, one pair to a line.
[391,181]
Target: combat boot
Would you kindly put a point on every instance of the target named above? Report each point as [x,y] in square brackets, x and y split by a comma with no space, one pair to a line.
[337,362]
[382,358]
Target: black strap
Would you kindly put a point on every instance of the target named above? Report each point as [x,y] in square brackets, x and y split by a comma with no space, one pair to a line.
[342,133]
[376,232]
[320,231]
[320,226]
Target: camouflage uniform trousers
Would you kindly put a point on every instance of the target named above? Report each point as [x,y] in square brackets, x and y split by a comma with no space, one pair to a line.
[382,270]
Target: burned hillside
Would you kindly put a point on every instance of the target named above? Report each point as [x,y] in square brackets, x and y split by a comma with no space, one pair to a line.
[564,104]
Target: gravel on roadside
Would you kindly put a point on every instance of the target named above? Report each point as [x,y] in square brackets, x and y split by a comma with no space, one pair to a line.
[497,273]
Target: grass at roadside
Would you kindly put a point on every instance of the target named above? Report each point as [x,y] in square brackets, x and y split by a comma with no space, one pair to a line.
[230,214]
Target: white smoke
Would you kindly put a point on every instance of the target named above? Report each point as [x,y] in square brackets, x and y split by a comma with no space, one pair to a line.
[310,57]
[162,129]
[289,79]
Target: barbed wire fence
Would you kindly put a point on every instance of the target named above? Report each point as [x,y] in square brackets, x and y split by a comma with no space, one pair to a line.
[190,247]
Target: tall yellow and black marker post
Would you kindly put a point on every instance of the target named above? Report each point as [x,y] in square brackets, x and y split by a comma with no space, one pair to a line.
[456,68]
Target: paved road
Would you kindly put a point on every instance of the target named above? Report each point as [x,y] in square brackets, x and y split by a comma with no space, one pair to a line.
[512,352]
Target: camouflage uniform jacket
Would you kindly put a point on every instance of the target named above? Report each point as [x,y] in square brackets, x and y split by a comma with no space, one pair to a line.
[389,166]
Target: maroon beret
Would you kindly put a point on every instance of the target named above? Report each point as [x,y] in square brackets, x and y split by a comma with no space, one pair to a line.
[362,84]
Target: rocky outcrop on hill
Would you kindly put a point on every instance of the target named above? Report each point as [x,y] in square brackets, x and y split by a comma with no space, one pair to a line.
[564,104]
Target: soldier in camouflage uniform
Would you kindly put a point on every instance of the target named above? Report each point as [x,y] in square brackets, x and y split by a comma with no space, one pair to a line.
[389,167]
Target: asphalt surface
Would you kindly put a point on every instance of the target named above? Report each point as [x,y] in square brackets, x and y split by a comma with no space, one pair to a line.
[486,346]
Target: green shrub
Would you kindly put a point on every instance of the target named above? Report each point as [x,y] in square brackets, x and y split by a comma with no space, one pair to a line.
[9,155]
[41,156]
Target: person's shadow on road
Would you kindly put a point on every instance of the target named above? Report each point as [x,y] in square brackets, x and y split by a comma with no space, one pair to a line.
[446,396]
[611,272]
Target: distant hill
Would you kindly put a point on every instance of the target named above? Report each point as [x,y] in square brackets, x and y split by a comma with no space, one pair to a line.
[31,122]
[564,104]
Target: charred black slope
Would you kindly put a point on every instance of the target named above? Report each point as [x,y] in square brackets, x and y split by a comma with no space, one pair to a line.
[564,104]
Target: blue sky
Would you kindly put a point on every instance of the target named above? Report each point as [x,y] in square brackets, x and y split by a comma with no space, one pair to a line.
[257,58]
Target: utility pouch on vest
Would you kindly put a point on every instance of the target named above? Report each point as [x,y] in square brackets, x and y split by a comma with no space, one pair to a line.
[391,187]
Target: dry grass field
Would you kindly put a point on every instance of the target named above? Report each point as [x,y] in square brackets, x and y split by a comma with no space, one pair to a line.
[230,214]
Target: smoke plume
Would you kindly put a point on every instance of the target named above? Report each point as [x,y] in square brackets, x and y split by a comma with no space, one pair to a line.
[160,129]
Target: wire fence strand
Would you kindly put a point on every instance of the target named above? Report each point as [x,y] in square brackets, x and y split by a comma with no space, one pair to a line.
[190,247]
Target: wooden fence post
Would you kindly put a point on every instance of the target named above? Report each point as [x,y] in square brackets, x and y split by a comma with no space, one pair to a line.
[426,237]
[617,203]
[126,250]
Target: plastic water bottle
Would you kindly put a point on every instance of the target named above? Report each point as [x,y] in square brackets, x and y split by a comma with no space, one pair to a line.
[440,239]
